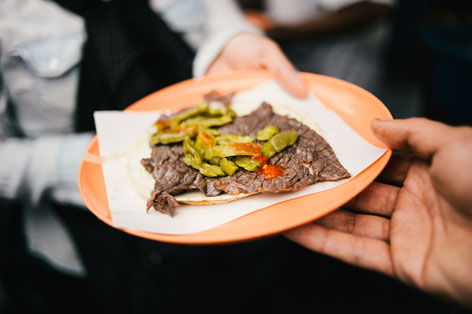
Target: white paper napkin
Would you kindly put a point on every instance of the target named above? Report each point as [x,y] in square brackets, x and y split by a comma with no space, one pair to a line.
[117,130]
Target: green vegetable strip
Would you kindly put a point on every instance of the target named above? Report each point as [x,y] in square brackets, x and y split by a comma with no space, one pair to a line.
[247,163]
[267,133]
[228,166]
[173,135]
[204,141]
[234,149]
[199,109]
[211,170]
[279,142]
[224,139]
[268,150]
[192,152]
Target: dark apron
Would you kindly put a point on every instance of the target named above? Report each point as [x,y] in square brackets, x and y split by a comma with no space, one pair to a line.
[130,52]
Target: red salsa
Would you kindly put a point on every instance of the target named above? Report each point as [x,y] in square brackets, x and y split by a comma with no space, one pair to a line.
[271,172]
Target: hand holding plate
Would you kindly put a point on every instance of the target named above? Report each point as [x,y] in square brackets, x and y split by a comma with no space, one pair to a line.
[417,228]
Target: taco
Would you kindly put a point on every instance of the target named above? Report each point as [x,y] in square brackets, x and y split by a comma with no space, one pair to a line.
[207,155]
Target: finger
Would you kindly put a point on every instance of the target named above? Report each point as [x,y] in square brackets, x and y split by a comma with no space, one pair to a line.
[369,226]
[420,136]
[283,71]
[377,198]
[397,168]
[363,252]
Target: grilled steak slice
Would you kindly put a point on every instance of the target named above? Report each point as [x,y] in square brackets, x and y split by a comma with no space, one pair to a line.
[309,160]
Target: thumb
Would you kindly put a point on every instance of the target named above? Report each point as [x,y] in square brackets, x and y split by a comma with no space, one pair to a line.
[419,136]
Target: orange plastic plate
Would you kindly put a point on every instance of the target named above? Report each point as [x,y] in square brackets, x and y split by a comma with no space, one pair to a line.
[353,104]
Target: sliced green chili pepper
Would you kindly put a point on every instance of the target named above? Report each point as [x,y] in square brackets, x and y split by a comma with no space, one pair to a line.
[268,150]
[213,132]
[190,150]
[204,168]
[208,122]
[218,121]
[267,133]
[211,170]
[228,166]
[201,108]
[189,160]
[215,161]
[173,135]
[283,139]
[193,121]
[224,139]
[279,142]
[247,163]
[234,149]
[204,141]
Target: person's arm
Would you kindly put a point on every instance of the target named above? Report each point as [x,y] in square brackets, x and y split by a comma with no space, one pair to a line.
[417,224]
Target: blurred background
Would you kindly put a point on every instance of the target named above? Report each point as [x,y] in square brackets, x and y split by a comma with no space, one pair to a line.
[415,56]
